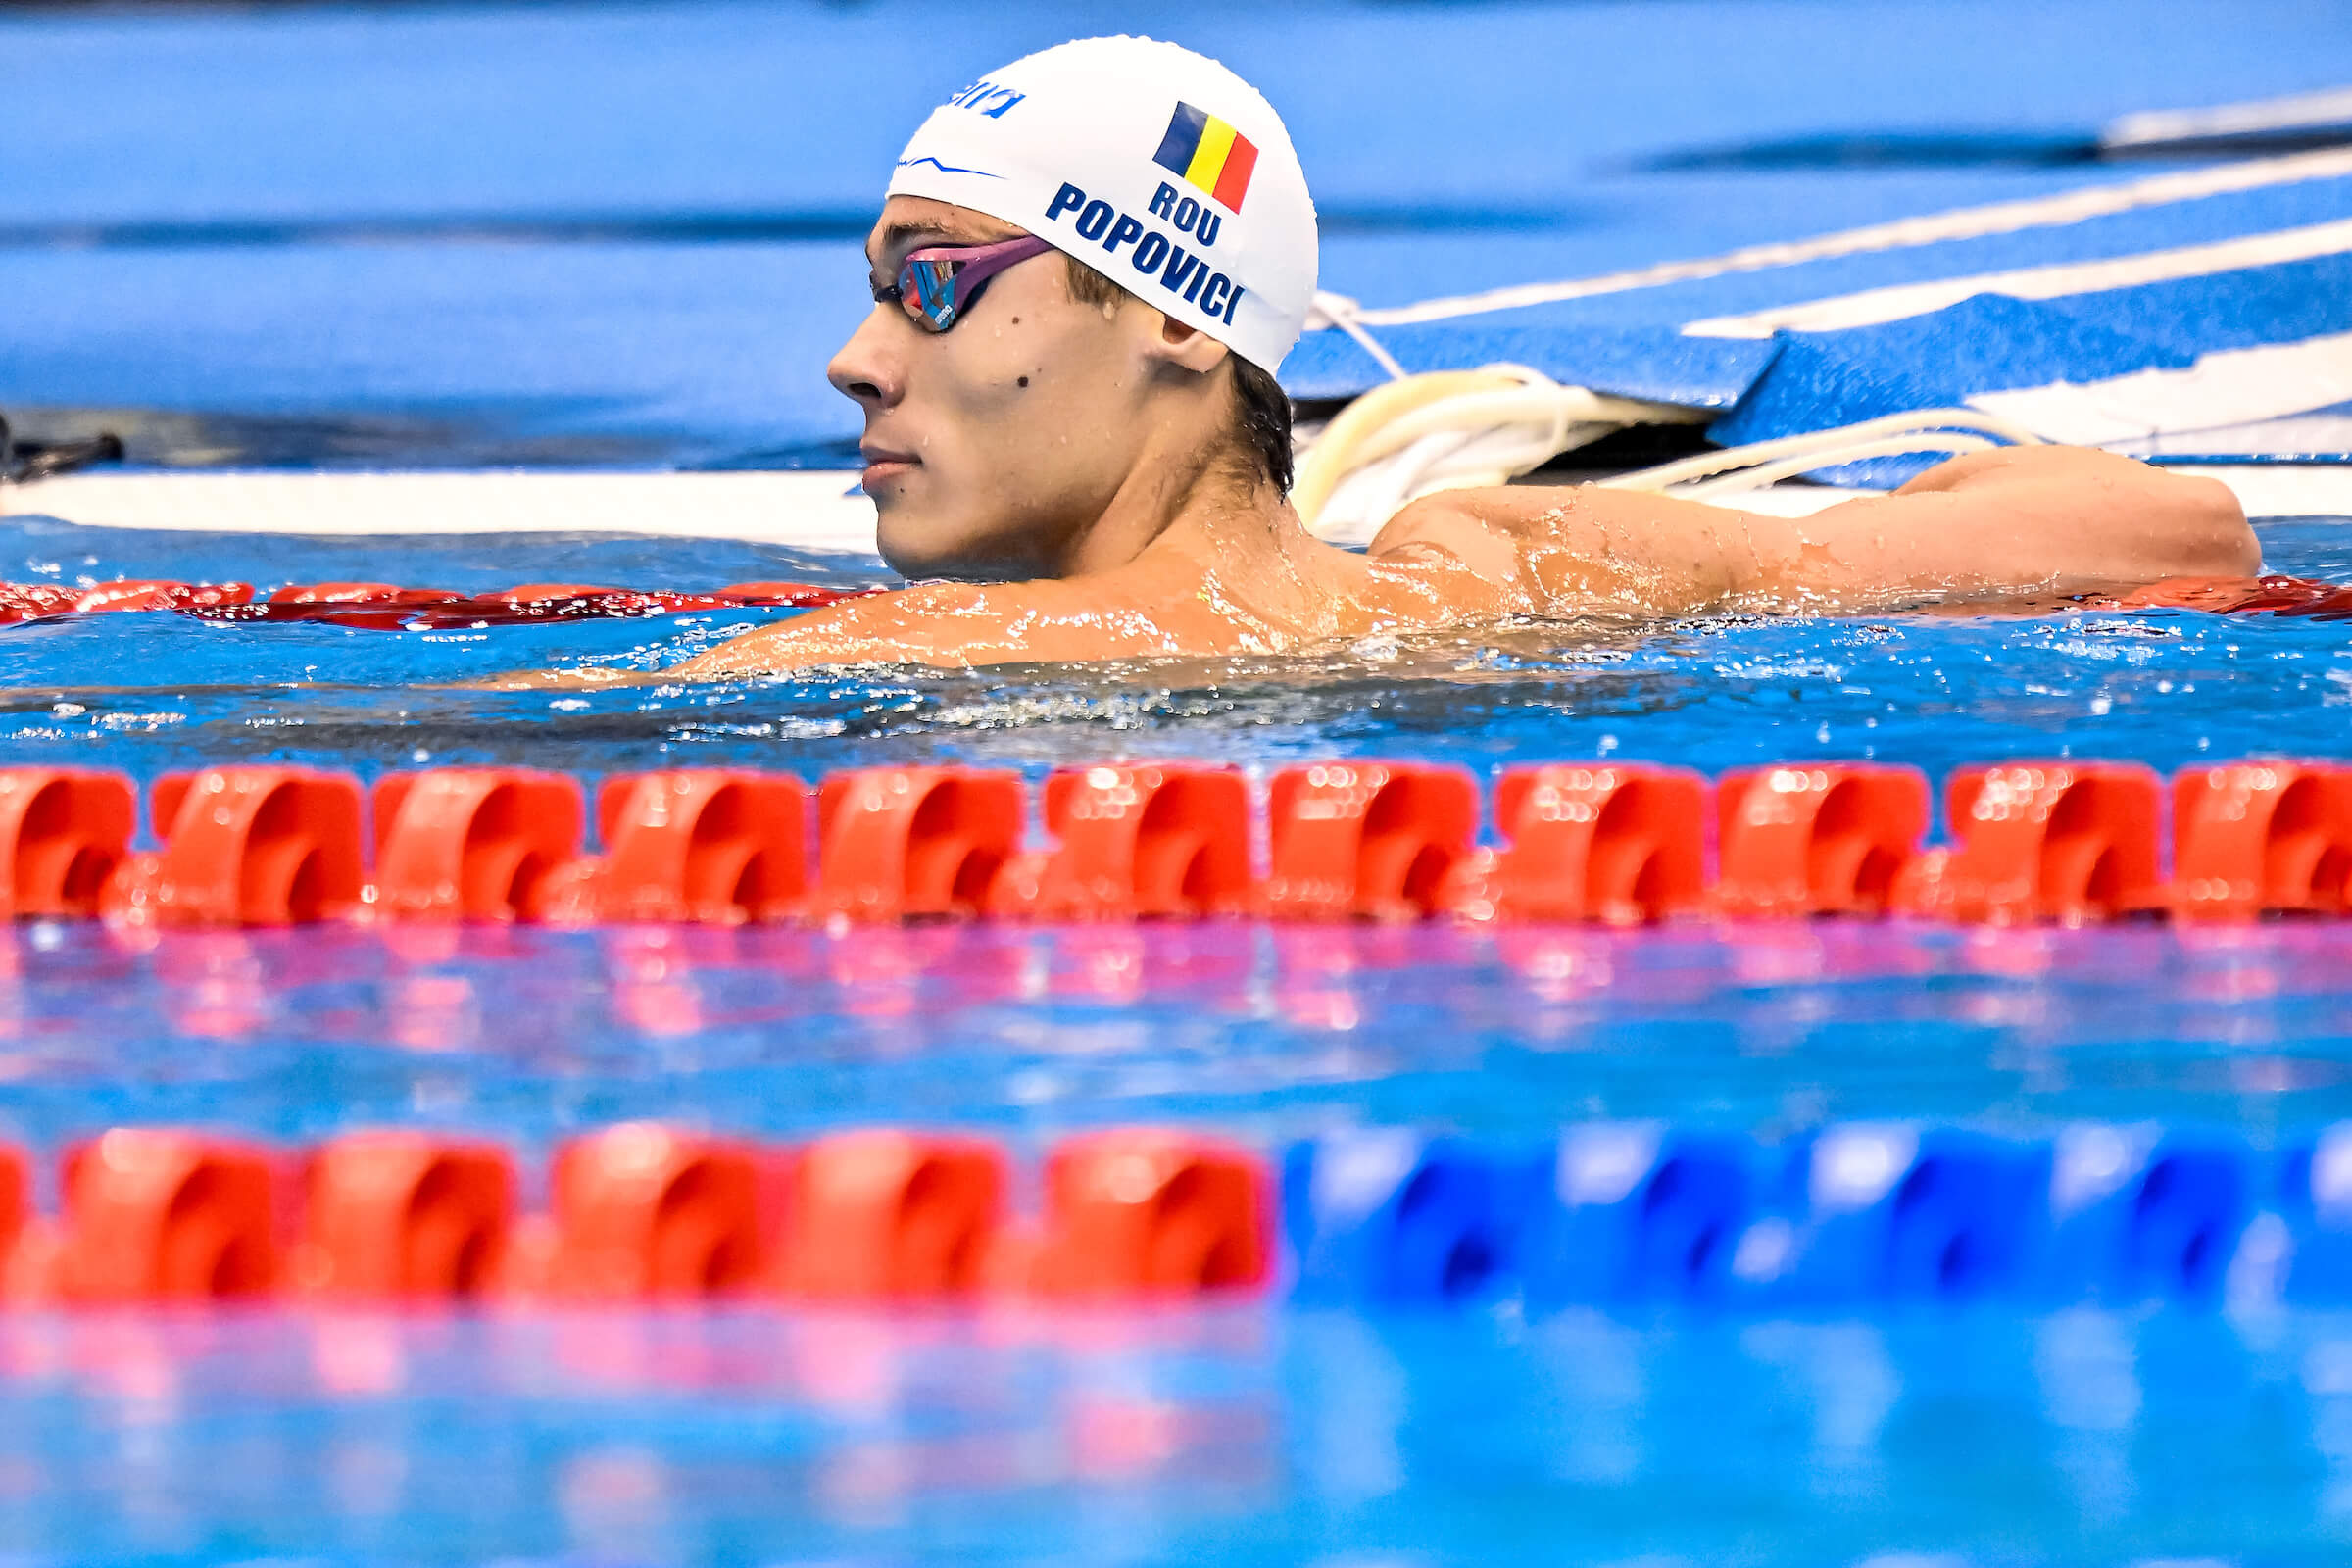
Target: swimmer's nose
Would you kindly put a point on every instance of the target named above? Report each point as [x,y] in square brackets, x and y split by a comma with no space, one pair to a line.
[865,370]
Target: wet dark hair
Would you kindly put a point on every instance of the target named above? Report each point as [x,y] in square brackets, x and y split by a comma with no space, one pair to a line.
[1262,410]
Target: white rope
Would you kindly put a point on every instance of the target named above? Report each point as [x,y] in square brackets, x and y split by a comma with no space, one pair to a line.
[1764,463]
[1771,473]
[1338,309]
[1450,430]
[1467,429]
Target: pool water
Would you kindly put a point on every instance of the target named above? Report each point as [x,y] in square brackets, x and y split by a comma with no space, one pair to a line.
[1271,1034]
[152,692]
[1254,1434]
[1243,1438]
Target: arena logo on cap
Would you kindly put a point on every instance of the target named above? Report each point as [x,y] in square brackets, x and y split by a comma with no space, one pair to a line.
[986,98]
[1208,154]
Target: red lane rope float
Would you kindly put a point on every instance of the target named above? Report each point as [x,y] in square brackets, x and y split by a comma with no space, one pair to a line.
[2034,841]
[2236,596]
[2066,842]
[246,846]
[707,846]
[474,843]
[2255,838]
[387,607]
[1167,840]
[883,1214]
[404,1215]
[1138,1212]
[41,600]
[153,1213]
[70,829]
[1825,839]
[1622,844]
[379,606]
[1371,839]
[635,1213]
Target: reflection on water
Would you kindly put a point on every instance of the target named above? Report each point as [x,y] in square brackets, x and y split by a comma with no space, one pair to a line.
[1238,1437]
[153,690]
[1276,1031]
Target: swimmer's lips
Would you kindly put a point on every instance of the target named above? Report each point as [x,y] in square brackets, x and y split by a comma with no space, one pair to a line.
[883,464]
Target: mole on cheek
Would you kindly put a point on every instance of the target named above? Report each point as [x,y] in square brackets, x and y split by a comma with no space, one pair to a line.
[1025,380]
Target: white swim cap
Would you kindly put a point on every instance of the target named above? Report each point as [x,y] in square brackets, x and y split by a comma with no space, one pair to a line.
[1156,167]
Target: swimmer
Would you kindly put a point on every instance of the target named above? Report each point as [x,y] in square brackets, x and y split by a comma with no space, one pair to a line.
[1087,269]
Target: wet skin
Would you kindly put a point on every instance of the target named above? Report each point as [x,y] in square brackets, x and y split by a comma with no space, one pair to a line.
[1065,469]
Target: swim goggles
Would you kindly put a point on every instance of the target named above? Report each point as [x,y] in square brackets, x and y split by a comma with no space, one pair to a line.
[936,287]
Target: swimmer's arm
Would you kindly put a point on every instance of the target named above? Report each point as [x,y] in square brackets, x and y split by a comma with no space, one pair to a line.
[2020,519]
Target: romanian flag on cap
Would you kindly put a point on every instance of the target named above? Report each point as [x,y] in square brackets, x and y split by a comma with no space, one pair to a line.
[1209,153]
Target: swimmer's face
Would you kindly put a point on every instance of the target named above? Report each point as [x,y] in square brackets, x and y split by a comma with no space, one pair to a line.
[993,448]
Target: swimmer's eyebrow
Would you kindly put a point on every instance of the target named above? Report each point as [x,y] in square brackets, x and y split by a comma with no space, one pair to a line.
[913,236]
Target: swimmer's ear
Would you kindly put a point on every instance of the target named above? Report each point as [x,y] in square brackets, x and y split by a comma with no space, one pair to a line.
[1189,346]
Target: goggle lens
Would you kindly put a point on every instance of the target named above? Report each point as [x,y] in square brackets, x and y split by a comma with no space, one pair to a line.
[927,291]
[936,286]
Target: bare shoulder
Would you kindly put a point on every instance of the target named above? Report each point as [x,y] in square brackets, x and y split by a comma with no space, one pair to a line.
[908,626]
[957,625]
[1463,518]
[1572,548]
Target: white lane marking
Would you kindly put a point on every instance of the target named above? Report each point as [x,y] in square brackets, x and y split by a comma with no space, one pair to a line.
[2283,489]
[2227,387]
[806,508]
[801,510]
[1966,222]
[2321,435]
[1872,307]
[2313,110]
